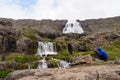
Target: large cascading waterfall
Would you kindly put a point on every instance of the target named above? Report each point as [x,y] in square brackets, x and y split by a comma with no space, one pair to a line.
[45,48]
[73,27]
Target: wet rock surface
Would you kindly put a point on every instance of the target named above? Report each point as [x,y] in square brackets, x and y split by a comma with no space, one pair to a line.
[105,72]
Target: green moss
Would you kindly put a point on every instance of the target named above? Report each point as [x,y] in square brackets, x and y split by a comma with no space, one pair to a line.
[11,56]
[64,52]
[34,65]
[32,47]
[29,35]
[59,41]
[54,63]
[22,66]
[4,73]
[75,54]
[26,59]
[113,50]
[63,55]
[116,43]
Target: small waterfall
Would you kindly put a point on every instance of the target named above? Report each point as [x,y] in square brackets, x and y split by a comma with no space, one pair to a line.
[62,63]
[45,48]
[42,64]
[73,27]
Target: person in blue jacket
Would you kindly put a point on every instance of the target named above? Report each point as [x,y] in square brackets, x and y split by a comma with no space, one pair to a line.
[102,54]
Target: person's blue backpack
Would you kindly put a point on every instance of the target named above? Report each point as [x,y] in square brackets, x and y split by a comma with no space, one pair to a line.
[102,54]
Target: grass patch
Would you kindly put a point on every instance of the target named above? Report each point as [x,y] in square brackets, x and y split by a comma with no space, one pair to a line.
[75,54]
[113,50]
[26,59]
[29,35]
[63,55]
[22,58]
[54,63]
[11,56]
[4,73]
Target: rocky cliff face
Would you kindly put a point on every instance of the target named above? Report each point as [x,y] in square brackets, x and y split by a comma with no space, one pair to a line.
[18,35]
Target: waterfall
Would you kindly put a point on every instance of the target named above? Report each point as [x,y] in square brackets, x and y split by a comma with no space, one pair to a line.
[45,48]
[73,27]
[42,64]
[62,63]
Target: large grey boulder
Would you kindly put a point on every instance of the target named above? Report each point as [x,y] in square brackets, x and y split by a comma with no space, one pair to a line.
[81,59]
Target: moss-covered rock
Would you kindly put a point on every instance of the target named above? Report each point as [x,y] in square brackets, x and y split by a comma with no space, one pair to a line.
[53,63]
[4,73]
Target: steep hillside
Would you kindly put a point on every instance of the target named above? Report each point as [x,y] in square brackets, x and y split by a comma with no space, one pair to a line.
[22,35]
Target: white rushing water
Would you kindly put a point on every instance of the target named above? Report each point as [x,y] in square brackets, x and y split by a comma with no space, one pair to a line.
[45,48]
[73,27]
[42,64]
[62,63]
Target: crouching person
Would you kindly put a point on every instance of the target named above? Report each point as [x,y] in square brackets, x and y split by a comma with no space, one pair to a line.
[102,54]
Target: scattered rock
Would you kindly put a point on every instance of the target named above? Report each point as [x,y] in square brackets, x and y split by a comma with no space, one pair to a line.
[82,59]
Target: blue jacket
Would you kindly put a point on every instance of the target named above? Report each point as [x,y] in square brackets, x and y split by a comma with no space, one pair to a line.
[102,54]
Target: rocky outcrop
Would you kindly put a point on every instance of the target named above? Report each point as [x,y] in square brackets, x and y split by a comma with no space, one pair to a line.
[106,72]
[97,40]
[87,59]
[22,44]
[5,65]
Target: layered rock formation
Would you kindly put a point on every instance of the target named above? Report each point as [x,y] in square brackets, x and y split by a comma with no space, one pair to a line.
[18,35]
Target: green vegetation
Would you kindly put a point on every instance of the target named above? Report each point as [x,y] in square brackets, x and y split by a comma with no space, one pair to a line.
[11,56]
[22,66]
[29,35]
[54,63]
[22,58]
[63,55]
[26,59]
[34,65]
[113,50]
[75,54]
[4,73]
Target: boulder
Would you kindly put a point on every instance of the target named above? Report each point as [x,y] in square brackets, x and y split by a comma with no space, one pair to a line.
[81,59]
[3,65]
